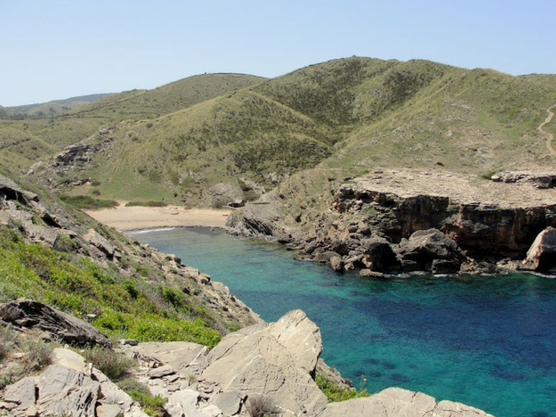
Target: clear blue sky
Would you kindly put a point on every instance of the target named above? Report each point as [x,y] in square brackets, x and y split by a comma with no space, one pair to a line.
[53,49]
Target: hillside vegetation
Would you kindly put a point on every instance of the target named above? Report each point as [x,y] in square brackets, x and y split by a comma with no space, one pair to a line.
[42,135]
[346,117]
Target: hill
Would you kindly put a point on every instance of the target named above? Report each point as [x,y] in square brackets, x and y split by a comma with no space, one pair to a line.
[24,142]
[50,109]
[345,116]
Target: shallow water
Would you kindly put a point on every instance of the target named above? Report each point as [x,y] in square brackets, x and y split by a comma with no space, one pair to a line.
[489,342]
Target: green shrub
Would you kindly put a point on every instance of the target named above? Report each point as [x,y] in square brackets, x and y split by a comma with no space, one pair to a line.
[153,406]
[334,393]
[85,202]
[146,204]
[112,364]
[173,297]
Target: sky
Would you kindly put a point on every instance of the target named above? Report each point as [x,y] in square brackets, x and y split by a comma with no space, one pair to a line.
[55,49]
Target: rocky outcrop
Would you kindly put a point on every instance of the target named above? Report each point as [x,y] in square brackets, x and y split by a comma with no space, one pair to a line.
[399,402]
[273,361]
[430,250]
[61,326]
[538,180]
[261,219]
[375,222]
[68,387]
[541,256]
[276,360]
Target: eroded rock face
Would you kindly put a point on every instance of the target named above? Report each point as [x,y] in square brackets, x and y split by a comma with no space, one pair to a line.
[62,326]
[276,360]
[432,250]
[393,402]
[542,254]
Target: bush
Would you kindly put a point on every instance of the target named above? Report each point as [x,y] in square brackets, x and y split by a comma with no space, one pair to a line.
[112,364]
[153,406]
[334,393]
[86,202]
[39,354]
[261,406]
[146,204]
[9,337]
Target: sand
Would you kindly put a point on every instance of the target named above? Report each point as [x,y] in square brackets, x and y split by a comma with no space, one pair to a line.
[137,218]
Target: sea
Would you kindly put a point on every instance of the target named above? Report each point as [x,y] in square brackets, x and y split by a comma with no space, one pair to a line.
[485,341]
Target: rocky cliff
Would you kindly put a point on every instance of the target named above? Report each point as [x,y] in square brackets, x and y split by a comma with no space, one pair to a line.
[406,221]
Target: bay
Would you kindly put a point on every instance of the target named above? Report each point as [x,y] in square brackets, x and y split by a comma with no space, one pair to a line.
[488,342]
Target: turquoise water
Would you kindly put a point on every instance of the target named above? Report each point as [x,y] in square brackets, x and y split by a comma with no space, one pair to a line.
[489,342]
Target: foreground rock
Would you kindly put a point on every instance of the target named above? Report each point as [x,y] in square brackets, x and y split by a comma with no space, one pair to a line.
[400,402]
[68,387]
[60,326]
[275,361]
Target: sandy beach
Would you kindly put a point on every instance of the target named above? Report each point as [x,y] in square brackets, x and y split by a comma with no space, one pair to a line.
[136,218]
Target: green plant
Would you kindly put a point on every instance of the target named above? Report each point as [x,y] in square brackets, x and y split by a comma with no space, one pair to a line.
[334,393]
[39,354]
[85,202]
[9,337]
[113,364]
[146,204]
[153,406]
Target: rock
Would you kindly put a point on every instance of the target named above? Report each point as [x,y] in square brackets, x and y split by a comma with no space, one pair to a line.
[276,360]
[229,402]
[22,393]
[68,329]
[542,253]
[379,254]
[257,219]
[63,390]
[425,246]
[337,264]
[99,242]
[300,336]
[111,393]
[109,410]
[69,359]
[184,403]
[181,356]
[400,402]
[161,371]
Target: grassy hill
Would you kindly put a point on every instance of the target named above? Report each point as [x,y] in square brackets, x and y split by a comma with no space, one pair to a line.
[346,116]
[149,104]
[23,142]
[51,109]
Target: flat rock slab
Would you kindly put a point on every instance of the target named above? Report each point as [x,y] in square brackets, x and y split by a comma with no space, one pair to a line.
[397,402]
[229,402]
[178,355]
[161,371]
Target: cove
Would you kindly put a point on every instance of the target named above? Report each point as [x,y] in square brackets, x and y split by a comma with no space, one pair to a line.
[488,342]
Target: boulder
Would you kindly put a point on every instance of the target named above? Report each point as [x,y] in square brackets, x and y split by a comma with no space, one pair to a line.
[275,360]
[68,329]
[379,255]
[425,246]
[541,255]
[99,242]
[337,264]
[400,402]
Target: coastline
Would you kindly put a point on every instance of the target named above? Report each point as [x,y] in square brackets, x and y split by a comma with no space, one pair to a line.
[126,219]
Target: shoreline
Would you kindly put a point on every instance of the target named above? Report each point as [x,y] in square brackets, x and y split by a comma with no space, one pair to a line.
[137,218]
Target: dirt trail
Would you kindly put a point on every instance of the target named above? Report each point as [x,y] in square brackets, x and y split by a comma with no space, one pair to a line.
[549,136]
